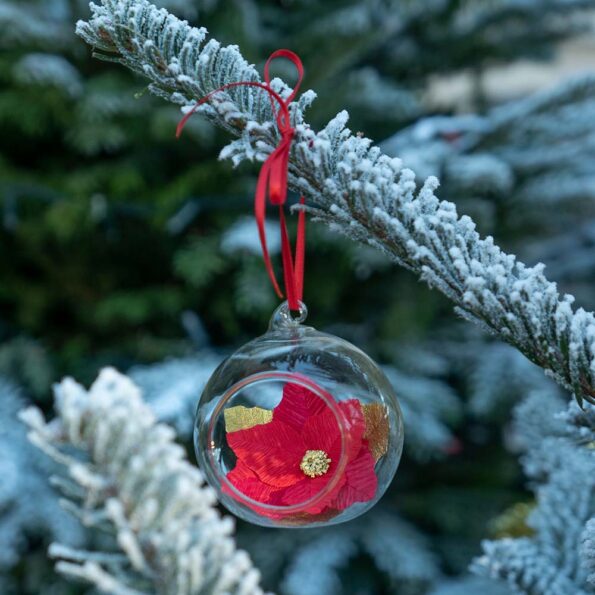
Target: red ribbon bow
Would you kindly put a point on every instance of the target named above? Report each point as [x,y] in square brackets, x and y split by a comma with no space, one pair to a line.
[272,182]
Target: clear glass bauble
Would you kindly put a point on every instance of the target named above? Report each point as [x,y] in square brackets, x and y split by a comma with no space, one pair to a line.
[298,428]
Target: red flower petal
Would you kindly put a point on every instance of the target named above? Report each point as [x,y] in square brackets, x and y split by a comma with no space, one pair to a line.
[307,489]
[321,432]
[360,481]
[248,483]
[273,451]
[355,425]
[269,455]
[297,405]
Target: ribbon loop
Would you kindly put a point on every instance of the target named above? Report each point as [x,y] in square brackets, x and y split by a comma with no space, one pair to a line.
[272,181]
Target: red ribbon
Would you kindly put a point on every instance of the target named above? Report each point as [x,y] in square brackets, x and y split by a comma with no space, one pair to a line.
[272,182]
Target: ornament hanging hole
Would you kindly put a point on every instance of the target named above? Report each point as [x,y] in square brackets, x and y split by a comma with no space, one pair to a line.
[284,317]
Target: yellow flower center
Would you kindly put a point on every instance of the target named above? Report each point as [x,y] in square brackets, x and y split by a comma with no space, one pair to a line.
[315,463]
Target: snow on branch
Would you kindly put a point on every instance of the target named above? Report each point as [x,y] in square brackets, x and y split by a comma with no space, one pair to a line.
[558,557]
[357,190]
[128,478]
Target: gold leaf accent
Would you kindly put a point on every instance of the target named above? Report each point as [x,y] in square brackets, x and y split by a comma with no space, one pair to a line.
[243,418]
[377,429]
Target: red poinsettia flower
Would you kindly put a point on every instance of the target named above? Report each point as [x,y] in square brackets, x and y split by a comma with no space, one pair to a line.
[292,458]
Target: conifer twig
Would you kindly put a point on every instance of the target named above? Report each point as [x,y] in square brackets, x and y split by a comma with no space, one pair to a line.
[136,485]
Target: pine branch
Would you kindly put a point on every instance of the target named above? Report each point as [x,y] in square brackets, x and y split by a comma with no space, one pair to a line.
[28,505]
[588,551]
[137,486]
[558,558]
[357,190]
[397,549]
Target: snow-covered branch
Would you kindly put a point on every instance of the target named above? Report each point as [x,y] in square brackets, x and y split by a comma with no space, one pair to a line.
[357,190]
[557,557]
[129,478]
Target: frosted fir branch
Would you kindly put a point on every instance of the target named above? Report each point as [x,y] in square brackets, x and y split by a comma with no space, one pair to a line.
[579,425]
[430,407]
[170,388]
[136,484]
[397,549]
[26,22]
[496,375]
[49,70]
[558,558]
[588,551]
[471,586]
[28,504]
[357,190]
[551,562]
[529,152]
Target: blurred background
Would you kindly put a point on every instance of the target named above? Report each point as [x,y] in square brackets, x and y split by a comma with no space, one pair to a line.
[120,245]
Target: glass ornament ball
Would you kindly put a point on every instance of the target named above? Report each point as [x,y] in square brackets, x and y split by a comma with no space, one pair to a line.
[298,428]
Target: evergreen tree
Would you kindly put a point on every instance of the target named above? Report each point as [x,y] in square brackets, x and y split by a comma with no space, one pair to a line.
[122,245]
